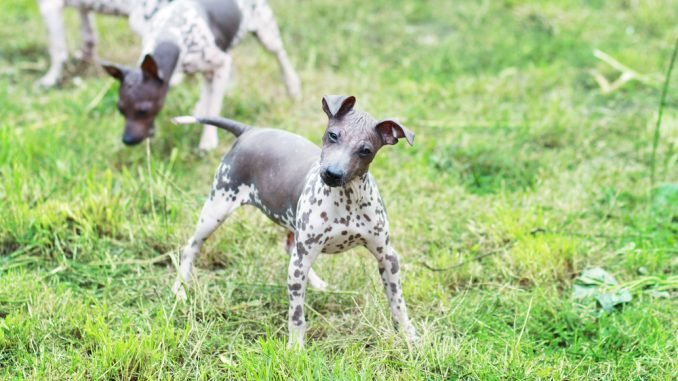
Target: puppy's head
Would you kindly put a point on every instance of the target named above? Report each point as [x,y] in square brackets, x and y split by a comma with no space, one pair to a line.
[352,139]
[140,97]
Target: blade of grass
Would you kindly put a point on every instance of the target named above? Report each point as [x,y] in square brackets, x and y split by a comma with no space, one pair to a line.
[662,101]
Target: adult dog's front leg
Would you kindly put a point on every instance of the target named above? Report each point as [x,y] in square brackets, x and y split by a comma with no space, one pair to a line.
[53,14]
[301,260]
[214,89]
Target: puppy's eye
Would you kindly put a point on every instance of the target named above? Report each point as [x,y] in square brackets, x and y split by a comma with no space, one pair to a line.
[332,137]
[364,152]
[142,113]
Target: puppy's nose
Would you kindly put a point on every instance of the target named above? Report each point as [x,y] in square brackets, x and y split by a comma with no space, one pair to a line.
[334,174]
[130,141]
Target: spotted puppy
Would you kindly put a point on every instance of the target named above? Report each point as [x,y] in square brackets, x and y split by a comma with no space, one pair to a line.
[325,196]
[194,36]
[138,12]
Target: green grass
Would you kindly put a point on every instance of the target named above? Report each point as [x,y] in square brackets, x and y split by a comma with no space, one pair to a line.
[517,153]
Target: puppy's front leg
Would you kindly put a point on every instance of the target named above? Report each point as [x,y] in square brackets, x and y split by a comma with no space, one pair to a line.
[301,260]
[389,269]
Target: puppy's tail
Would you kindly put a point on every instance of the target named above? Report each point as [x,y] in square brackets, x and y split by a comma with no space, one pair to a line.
[236,128]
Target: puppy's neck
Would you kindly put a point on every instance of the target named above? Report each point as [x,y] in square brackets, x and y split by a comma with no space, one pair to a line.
[166,54]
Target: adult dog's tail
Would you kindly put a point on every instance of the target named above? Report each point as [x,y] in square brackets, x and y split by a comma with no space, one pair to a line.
[236,128]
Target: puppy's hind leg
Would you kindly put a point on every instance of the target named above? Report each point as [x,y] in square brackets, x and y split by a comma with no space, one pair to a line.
[218,206]
[266,30]
[53,14]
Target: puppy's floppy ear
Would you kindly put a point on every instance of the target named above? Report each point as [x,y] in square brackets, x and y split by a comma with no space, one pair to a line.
[391,131]
[150,68]
[336,106]
[116,71]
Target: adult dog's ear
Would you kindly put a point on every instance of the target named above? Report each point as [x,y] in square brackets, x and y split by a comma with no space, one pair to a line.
[391,131]
[150,68]
[336,106]
[116,71]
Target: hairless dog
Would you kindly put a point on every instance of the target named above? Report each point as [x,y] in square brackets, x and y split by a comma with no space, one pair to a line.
[138,12]
[194,36]
[326,197]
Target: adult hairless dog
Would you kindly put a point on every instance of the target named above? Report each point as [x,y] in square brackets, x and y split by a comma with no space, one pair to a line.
[193,36]
[326,197]
[139,12]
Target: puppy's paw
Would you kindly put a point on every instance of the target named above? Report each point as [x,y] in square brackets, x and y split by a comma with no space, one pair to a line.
[319,285]
[411,334]
[179,290]
[295,345]
[316,282]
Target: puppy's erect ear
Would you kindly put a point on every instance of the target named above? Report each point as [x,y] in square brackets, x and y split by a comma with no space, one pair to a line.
[150,68]
[391,131]
[336,106]
[116,71]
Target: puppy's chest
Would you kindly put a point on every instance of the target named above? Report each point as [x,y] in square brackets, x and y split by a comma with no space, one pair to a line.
[339,219]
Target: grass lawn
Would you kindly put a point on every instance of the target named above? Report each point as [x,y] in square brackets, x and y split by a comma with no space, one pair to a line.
[519,158]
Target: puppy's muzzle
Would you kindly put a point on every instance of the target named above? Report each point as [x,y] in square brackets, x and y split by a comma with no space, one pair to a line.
[333,176]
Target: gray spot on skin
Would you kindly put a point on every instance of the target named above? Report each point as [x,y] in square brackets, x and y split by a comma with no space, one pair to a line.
[394,263]
[296,316]
[301,249]
[313,239]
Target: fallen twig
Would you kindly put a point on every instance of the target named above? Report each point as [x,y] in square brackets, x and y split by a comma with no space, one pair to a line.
[627,74]
[476,258]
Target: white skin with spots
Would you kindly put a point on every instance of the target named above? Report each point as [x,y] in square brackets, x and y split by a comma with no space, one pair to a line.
[138,12]
[215,211]
[333,220]
[328,219]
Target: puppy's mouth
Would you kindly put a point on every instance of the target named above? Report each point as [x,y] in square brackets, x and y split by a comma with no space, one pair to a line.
[330,181]
[132,139]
